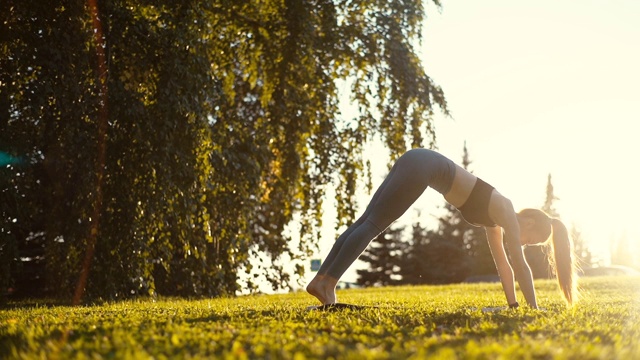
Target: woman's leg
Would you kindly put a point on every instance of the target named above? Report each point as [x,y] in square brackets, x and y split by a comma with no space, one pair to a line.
[404,184]
[342,238]
[322,286]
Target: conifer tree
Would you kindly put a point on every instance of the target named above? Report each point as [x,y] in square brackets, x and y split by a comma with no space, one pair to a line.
[548,206]
[384,258]
[432,259]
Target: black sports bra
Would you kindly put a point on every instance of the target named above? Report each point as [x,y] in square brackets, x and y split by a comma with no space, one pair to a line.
[475,210]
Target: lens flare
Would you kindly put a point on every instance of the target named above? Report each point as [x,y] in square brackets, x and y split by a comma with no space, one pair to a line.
[6,159]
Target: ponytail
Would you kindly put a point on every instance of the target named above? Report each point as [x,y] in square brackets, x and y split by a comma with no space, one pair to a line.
[563,261]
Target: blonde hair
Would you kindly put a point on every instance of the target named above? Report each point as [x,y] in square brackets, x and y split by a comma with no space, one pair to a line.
[562,259]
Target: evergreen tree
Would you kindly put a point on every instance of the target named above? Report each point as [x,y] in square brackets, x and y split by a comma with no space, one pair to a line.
[549,200]
[415,267]
[478,248]
[384,256]
[432,259]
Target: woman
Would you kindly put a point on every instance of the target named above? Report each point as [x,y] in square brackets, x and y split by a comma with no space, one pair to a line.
[480,205]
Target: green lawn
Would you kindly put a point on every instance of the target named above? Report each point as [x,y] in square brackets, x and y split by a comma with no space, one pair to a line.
[441,322]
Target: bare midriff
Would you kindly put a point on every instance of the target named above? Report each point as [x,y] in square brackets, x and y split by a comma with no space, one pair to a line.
[461,187]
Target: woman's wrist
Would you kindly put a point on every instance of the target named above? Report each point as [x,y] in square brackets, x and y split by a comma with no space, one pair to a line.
[514,305]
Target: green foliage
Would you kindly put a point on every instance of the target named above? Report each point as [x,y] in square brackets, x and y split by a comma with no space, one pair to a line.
[221,123]
[384,256]
[440,322]
[432,258]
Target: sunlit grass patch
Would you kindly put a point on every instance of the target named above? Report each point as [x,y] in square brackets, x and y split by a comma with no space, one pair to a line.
[403,322]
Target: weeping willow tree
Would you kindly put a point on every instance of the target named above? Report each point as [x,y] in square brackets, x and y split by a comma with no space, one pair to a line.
[183,137]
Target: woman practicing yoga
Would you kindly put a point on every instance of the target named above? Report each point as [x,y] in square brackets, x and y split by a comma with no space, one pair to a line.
[478,202]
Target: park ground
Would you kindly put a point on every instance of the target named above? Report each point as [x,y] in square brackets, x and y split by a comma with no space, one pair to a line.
[435,322]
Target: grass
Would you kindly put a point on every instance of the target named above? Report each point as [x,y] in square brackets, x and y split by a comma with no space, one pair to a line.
[440,322]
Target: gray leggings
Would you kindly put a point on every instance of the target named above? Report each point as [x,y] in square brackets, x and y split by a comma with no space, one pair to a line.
[409,177]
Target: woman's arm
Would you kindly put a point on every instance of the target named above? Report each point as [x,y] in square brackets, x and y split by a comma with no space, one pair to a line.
[494,236]
[520,267]
[503,213]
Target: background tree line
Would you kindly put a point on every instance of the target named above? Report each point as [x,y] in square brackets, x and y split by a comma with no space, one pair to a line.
[179,139]
[453,252]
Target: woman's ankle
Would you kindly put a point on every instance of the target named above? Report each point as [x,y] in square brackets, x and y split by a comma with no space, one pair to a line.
[323,287]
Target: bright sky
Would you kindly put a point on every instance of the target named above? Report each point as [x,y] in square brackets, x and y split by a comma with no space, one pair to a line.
[539,87]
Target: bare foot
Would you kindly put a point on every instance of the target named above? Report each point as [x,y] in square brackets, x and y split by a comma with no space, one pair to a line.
[323,287]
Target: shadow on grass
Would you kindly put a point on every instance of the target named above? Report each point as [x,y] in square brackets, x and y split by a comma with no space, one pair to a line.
[235,316]
[27,304]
